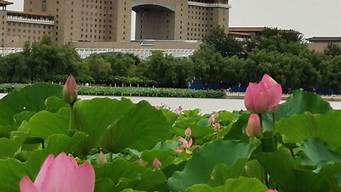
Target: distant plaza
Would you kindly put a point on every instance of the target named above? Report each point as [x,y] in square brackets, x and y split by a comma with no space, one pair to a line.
[176,27]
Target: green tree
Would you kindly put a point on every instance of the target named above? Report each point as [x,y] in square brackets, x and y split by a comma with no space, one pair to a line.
[333,50]
[98,67]
[234,71]
[223,43]
[208,65]
[273,39]
[184,72]
[14,68]
[122,64]
[161,68]
[46,60]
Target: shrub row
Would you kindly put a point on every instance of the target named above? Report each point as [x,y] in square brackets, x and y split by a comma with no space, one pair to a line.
[134,91]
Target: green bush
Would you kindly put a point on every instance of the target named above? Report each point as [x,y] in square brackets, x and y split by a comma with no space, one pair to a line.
[133,91]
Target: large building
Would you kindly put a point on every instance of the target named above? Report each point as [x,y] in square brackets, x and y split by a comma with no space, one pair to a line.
[156,24]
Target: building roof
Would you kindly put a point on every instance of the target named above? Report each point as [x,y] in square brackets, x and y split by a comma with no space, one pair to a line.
[30,14]
[5,3]
[246,29]
[324,39]
[240,34]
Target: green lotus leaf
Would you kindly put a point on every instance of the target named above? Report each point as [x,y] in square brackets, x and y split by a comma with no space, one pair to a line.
[241,184]
[300,102]
[30,98]
[199,168]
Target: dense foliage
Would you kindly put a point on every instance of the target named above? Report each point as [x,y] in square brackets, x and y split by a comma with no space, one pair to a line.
[221,62]
[299,149]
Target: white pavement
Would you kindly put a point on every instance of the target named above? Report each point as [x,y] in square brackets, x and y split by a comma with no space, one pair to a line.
[205,105]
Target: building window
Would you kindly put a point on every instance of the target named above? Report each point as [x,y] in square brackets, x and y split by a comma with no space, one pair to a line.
[44,5]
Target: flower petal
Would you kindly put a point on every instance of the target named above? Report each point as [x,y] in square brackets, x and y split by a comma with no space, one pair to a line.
[249,96]
[84,178]
[268,81]
[60,175]
[26,185]
[42,175]
[275,93]
[261,103]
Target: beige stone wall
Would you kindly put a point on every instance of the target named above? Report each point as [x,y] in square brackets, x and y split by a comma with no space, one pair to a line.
[33,6]
[320,46]
[18,33]
[202,19]
[3,27]
[181,20]
[123,20]
[221,18]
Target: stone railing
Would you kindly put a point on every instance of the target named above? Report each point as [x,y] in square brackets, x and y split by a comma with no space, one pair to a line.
[141,53]
[86,52]
[8,50]
[212,5]
[21,19]
[144,53]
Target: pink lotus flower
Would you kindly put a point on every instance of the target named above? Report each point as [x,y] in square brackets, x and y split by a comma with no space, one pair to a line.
[188,132]
[271,190]
[263,96]
[212,118]
[253,128]
[184,144]
[178,110]
[61,174]
[69,91]
[157,163]
[216,126]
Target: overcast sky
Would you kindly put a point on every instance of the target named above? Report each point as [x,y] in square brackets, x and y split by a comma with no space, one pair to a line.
[311,17]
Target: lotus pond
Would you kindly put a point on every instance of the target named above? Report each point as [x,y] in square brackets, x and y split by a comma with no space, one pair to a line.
[138,147]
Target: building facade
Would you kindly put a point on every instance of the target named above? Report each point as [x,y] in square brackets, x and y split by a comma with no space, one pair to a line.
[20,27]
[320,44]
[97,22]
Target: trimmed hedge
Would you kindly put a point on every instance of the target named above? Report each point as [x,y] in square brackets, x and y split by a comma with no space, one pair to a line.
[133,91]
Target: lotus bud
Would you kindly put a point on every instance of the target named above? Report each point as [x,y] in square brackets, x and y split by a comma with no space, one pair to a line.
[69,91]
[188,132]
[178,150]
[253,128]
[212,118]
[101,159]
[156,163]
[263,96]
[61,173]
[216,126]
[141,162]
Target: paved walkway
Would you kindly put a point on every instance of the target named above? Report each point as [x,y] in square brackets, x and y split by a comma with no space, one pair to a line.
[205,105]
